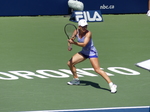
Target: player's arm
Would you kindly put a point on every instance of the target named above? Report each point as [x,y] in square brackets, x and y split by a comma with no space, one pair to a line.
[86,40]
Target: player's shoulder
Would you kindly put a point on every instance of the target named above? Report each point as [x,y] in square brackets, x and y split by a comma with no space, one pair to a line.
[89,32]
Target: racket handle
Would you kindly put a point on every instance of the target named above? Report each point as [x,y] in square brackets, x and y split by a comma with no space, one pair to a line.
[70,47]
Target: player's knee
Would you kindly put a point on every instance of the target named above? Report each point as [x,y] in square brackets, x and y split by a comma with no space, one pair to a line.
[98,70]
[68,63]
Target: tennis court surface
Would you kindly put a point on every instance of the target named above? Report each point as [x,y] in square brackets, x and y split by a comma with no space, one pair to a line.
[34,73]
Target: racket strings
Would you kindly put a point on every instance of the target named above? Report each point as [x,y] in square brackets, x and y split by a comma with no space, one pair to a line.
[69,30]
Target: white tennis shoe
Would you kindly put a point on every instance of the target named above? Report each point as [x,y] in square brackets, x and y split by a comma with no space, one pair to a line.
[113,88]
[74,82]
[148,13]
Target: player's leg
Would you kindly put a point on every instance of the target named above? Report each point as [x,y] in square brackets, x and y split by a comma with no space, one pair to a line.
[148,4]
[77,58]
[96,66]
[148,12]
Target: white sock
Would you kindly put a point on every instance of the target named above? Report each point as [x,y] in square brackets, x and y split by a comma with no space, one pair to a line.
[111,84]
[75,78]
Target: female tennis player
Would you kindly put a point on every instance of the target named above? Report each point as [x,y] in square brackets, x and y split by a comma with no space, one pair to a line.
[148,12]
[84,38]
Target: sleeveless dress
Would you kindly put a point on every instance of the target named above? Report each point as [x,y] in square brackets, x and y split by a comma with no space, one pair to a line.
[89,51]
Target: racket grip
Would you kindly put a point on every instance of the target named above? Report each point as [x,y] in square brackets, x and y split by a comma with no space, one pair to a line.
[70,47]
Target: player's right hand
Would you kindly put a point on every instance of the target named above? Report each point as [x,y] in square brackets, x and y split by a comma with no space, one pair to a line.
[69,48]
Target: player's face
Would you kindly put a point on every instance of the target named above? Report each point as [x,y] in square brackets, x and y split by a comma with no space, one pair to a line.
[84,28]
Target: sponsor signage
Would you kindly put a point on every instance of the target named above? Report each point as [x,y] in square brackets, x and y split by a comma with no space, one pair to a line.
[116,6]
[64,73]
[90,16]
[60,7]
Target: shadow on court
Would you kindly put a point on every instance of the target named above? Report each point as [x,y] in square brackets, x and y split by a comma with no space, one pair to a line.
[93,84]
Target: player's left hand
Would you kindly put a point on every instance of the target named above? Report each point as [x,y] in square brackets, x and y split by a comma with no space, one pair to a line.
[71,41]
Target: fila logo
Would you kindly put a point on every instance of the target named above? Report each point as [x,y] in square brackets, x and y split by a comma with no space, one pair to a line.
[90,16]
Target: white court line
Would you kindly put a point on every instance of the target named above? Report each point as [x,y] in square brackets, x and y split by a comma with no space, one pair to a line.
[111,108]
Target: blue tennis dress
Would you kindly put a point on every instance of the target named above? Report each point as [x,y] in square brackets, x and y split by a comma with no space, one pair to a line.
[89,51]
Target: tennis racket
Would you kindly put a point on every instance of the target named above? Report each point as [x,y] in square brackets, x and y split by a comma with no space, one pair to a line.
[69,29]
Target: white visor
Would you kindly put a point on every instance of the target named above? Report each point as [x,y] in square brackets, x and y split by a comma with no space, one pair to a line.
[82,22]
